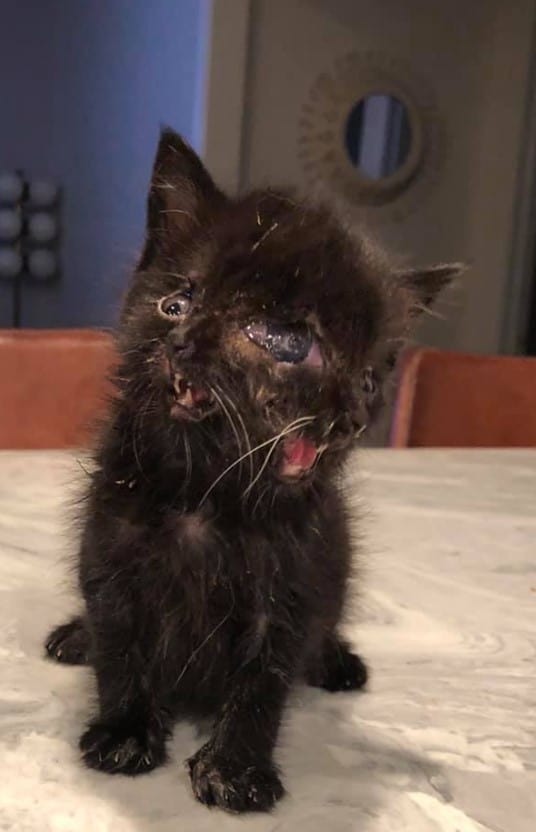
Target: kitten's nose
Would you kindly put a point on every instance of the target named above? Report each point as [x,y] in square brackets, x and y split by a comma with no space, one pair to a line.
[180,343]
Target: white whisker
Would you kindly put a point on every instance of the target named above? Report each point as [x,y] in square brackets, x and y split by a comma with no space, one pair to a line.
[303,420]
[264,236]
[264,464]
[229,418]
[188,454]
[244,429]
[267,458]
[205,640]
[259,499]
[137,429]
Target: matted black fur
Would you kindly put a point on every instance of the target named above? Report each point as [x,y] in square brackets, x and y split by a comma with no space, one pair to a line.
[254,342]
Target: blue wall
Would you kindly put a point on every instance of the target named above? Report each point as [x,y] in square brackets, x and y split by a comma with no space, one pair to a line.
[84,87]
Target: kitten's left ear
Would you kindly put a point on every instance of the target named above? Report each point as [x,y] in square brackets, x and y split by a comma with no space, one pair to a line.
[426,284]
[182,196]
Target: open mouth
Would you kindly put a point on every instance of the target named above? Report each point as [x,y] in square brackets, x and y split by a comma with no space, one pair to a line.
[297,458]
[189,400]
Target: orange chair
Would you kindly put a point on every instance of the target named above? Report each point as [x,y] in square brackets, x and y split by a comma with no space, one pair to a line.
[53,384]
[449,399]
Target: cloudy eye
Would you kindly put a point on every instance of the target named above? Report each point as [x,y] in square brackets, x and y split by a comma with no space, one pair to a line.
[287,343]
[175,305]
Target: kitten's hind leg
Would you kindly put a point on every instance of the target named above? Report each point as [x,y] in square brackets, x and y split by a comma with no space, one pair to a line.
[335,668]
[69,643]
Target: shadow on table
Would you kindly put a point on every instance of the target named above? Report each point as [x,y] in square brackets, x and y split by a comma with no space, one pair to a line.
[339,774]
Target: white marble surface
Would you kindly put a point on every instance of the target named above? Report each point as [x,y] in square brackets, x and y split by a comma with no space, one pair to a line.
[444,739]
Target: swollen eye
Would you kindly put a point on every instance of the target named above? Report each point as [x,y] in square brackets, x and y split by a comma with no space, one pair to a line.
[175,305]
[287,343]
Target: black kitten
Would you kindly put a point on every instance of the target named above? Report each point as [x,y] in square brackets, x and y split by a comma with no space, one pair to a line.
[253,345]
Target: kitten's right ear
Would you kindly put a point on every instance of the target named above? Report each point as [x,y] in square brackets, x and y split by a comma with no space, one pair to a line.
[182,196]
[426,284]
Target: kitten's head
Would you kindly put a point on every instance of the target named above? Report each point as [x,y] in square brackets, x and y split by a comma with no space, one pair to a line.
[261,320]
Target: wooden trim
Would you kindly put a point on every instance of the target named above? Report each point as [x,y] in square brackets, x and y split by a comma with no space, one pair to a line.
[522,265]
[224,90]
[405,399]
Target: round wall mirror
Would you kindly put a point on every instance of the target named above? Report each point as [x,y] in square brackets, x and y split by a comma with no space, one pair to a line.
[378,136]
[371,135]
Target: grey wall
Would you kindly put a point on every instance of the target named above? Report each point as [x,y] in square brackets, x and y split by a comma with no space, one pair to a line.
[84,86]
[467,67]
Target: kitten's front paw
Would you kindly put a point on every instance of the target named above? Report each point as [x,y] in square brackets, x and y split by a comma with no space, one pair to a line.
[349,674]
[122,748]
[340,670]
[233,785]
[69,643]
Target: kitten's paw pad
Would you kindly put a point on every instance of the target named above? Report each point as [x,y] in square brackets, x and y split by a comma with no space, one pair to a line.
[233,785]
[122,748]
[69,643]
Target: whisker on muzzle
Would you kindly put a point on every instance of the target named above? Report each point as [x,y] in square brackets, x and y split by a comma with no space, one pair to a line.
[295,425]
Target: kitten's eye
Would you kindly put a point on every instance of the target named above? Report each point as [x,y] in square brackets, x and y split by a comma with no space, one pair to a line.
[175,305]
[288,343]
[368,381]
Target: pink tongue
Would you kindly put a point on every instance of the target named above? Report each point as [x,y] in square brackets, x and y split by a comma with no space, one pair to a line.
[198,395]
[298,455]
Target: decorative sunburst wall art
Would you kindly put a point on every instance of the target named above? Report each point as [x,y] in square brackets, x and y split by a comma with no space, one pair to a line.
[371,134]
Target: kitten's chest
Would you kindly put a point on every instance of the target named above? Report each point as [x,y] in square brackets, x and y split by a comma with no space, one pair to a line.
[204,561]
[209,592]
[217,587]
[202,558]
[213,564]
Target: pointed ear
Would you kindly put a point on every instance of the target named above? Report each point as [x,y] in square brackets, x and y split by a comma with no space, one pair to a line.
[426,284]
[182,196]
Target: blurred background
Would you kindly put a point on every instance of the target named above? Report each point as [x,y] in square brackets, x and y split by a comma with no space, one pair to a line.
[415,117]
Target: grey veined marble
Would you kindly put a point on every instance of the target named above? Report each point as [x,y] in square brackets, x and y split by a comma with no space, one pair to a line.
[443,740]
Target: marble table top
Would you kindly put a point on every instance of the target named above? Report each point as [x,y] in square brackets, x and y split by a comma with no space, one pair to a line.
[444,738]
